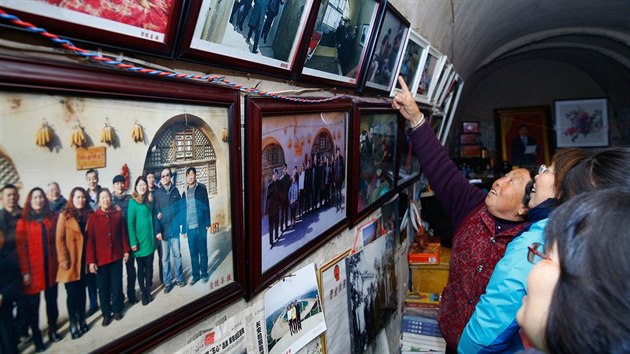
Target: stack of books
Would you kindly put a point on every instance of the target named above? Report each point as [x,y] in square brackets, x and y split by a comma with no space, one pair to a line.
[420,332]
[422,300]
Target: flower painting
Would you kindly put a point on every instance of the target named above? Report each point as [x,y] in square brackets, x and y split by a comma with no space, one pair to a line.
[582,122]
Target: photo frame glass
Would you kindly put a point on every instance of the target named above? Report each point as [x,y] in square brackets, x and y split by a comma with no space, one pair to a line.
[333,287]
[263,32]
[415,54]
[177,135]
[378,132]
[334,51]
[582,123]
[471,127]
[384,62]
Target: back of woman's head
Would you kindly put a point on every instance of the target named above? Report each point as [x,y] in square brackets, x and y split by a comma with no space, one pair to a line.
[608,168]
[563,161]
[590,308]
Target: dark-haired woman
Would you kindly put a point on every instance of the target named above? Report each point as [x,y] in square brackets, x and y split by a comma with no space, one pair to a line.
[107,248]
[71,236]
[35,245]
[577,293]
[141,235]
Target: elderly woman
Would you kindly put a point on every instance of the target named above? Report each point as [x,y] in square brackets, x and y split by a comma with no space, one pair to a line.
[492,326]
[35,245]
[71,235]
[107,248]
[577,299]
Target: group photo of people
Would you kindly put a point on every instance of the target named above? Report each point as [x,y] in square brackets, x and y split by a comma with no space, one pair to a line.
[112,247]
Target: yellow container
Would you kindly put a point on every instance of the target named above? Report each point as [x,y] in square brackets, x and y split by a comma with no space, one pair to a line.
[431,278]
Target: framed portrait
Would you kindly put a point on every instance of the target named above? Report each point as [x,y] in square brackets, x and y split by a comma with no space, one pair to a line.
[293,150]
[370,303]
[376,126]
[447,89]
[523,135]
[429,78]
[143,26]
[471,127]
[384,60]
[469,138]
[334,54]
[409,165]
[581,123]
[414,53]
[261,36]
[436,121]
[67,98]
[333,287]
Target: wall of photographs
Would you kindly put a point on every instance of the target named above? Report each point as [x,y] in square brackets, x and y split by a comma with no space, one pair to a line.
[284,273]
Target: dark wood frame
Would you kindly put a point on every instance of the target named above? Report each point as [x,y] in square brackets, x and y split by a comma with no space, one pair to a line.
[508,120]
[368,85]
[234,61]
[324,77]
[369,108]
[31,75]
[256,110]
[96,37]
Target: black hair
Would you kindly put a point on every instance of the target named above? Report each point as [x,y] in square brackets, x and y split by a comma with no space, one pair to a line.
[8,186]
[91,170]
[191,168]
[590,307]
[608,168]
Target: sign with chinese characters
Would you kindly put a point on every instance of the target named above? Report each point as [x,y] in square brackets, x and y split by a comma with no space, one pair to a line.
[91,157]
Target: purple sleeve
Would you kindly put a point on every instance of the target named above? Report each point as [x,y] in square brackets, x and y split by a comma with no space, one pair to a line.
[455,193]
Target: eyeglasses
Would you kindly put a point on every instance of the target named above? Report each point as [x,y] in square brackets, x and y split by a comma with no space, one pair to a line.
[543,168]
[536,249]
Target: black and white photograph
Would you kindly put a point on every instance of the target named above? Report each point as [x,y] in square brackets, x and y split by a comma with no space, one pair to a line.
[293,312]
[264,32]
[390,42]
[303,166]
[337,45]
[372,294]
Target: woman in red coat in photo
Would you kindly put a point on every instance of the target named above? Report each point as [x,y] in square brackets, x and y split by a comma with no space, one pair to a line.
[35,245]
[107,248]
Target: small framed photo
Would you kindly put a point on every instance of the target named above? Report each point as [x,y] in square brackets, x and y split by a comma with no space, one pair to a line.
[581,123]
[469,138]
[470,127]
[429,78]
[414,54]
[470,151]
[441,83]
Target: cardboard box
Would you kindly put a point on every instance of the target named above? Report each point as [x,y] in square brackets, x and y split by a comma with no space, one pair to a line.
[431,278]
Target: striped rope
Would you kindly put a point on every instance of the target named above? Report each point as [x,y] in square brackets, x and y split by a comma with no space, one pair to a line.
[153,72]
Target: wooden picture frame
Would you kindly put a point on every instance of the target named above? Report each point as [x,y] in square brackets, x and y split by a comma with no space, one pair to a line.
[385,60]
[429,78]
[219,33]
[415,54]
[509,121]
[145,27]
[375,144]
[332,53]
[62,93]
[332,281]
[581,123]
[469,138]
[280,133]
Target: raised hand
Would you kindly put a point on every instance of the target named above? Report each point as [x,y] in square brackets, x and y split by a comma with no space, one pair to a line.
[404,102]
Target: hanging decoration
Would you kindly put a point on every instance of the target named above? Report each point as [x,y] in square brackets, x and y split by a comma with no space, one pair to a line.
[78,136]
[224,135]
[107,133]
[137,134]
[290,143]
[44,134]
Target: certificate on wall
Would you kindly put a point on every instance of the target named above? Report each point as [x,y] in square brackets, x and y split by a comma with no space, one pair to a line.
[332,282]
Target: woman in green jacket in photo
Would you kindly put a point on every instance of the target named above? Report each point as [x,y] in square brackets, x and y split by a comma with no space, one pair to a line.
[141,235]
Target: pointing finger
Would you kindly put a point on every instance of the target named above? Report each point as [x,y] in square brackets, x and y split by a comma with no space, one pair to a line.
[402,83]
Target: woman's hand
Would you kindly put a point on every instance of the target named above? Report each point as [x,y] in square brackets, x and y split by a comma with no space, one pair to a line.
[125,257]
[404,102]
[93,268]
[26,279]
[134,248]
[65,265]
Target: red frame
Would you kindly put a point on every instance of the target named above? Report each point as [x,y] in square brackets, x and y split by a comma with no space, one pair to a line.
[256,110]
[31,75]
[97,37]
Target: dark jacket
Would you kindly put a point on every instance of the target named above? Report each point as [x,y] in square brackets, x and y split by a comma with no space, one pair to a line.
[107,238]
[10,281]
[203,207]
[172,207]
[122,203]
[8,222]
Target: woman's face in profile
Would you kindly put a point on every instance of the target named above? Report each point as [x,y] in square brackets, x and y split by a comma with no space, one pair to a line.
[542,280]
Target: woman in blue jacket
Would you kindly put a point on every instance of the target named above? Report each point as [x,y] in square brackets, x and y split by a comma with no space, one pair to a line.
[492,327]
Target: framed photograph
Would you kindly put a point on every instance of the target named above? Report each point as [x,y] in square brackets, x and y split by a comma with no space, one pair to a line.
[371,275]
[441,82]
[415,53]
[142,26]
[471,127]
[469,138]
[523,135]
[436,121]
[581,123]
[334,54]
[168,113]
[376,126]
[261,36]
[447,89]
[388,50]
[293,312]
[296,161]
[429,78]
[470,150]
[333,287]
[409,165]
[450,109]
